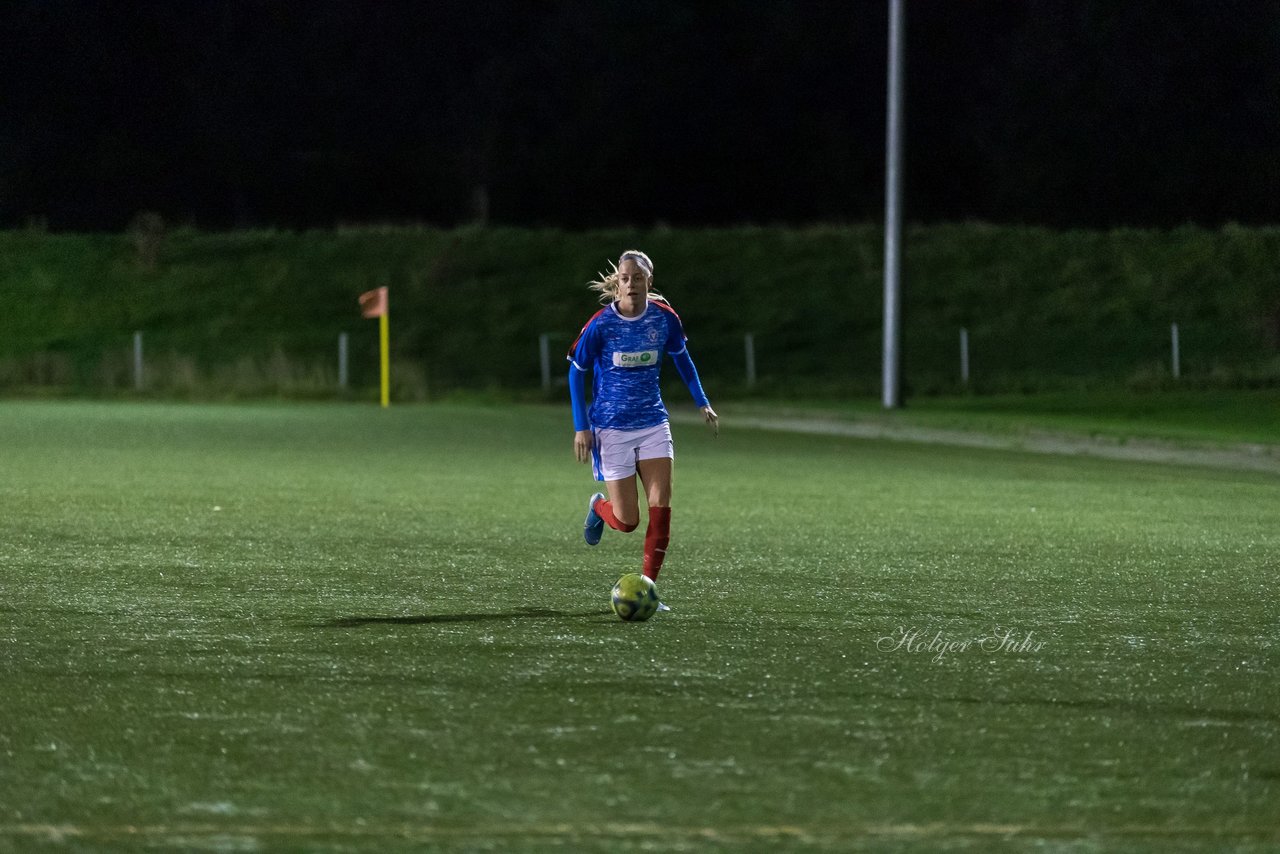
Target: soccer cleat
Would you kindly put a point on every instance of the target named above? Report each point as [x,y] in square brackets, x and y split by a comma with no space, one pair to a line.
[593,527]
[663,606]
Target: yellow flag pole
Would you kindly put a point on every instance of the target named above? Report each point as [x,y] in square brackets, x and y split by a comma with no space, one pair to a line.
[376,303]
[384,337]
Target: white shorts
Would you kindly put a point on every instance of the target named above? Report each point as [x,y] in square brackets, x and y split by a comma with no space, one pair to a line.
[615,452]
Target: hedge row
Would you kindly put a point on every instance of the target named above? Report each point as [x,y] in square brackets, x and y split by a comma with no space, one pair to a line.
[261,311]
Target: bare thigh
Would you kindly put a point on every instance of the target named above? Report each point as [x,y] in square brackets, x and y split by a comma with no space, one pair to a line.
[622,495]
[656,475]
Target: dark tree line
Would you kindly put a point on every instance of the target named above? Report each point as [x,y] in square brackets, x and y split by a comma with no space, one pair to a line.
[603,112]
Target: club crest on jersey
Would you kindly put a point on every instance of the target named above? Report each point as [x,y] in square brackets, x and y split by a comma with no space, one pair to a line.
[643,359]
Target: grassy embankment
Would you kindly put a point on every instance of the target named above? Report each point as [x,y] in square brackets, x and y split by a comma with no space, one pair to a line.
[259,313]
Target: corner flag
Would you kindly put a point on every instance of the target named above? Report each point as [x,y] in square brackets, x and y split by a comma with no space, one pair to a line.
[375,303]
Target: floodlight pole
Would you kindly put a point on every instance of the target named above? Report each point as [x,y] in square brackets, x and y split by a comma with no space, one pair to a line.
[893,207]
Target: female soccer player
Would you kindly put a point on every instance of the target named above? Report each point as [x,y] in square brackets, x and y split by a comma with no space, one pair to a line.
[626,432]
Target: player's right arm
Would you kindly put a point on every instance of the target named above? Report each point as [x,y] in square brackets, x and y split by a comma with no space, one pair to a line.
[582,436]
[583,441]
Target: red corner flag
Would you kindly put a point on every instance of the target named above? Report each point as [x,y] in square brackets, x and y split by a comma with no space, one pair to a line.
[374,303]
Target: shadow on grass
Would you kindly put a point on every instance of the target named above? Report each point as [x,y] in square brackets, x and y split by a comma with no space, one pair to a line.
[428,619]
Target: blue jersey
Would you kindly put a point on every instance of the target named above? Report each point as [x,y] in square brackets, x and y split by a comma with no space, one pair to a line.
[624,355]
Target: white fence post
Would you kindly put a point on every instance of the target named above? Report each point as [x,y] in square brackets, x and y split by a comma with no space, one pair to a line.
[343,353]
[544,358]
[749,344]
[137,361]
[1173,341]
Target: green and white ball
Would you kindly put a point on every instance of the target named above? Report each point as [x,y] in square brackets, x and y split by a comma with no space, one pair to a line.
[634,598]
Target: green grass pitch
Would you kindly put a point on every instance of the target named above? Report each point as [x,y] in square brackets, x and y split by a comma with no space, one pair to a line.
[332,627]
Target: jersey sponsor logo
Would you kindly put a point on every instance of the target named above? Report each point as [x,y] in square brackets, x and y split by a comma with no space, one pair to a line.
[642,359]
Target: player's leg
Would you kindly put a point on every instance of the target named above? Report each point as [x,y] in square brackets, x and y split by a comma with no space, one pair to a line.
[656,476]
[655,466]
[614,462]
[618,510]
[622,507]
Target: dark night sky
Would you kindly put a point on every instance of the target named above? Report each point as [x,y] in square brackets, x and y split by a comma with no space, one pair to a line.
[587,114]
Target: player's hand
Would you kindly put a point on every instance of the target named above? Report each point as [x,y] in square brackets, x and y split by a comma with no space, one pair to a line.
[582,443]
[713,420]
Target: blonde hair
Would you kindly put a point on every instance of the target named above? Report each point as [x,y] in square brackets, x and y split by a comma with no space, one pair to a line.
[607,284]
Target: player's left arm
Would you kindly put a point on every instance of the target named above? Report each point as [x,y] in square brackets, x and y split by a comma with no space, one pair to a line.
[689,373]
[678,349]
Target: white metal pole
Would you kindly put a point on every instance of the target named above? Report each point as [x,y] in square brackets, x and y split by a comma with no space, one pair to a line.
[964,355]
[137,361]
[749,344]
[1173,336]
[544,357]
[343,352]
[893,206]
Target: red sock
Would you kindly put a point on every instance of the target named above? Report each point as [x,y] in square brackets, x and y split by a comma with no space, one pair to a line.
[656,538]
[605,511]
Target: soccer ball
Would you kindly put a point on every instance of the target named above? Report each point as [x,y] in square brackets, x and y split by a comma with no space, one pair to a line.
[634,598]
